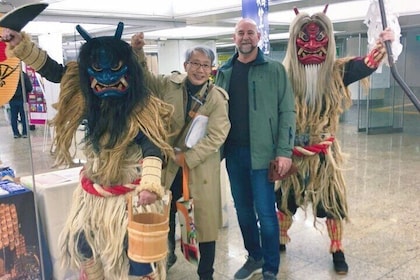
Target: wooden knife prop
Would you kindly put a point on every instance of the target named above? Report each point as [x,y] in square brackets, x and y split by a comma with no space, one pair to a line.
[394,70]
[17,18]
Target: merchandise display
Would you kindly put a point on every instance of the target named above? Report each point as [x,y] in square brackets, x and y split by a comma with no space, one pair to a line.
[36,101]
[18,238]
[6,171]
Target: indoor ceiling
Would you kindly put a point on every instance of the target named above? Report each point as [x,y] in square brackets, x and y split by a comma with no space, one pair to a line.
[192,19]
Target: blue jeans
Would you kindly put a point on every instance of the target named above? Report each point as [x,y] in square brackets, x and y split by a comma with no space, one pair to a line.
[17,110]
[254,199]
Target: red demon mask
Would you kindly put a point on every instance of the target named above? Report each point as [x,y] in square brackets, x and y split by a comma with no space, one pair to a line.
[312,44]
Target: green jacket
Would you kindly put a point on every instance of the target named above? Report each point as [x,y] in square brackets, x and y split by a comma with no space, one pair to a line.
[272,115]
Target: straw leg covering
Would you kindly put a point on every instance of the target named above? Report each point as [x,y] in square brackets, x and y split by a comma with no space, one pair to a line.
[104,224]
[285,222]
[92,270]
[335,232]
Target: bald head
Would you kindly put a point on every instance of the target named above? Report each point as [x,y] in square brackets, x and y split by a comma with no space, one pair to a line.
[249,23]
[246,39]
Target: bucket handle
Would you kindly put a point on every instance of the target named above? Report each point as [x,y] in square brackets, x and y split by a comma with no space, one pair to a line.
[130,206]
[165,210]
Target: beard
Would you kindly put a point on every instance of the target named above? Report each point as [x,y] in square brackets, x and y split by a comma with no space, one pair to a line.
[107,121]
[246,49]
[311,79]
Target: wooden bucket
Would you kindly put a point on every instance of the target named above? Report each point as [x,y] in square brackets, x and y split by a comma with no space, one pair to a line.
[147,234]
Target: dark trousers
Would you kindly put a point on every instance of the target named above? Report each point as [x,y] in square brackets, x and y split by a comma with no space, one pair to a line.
[17,111]
[207,254]
[207,249]
[176,189]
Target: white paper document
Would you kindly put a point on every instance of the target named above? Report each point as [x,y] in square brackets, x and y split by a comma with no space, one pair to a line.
[197,130]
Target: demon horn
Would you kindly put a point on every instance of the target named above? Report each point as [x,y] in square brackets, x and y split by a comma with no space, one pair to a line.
[325,9]
[119,31]
[83,33]
[296,10]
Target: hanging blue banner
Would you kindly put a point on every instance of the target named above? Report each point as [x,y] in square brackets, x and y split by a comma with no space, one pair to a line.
[258,11]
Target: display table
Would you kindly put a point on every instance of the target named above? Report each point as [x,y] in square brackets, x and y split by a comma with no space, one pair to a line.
[20,258]
[54,191]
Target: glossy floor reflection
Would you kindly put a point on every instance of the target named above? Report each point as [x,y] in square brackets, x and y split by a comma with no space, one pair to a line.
[381,242]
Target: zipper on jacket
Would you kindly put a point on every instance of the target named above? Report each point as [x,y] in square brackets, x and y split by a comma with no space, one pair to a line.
[254,95]
[272,132]
[290,135]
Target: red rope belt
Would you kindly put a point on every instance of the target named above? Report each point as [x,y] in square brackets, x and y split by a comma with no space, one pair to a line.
[105,191]
[311,150]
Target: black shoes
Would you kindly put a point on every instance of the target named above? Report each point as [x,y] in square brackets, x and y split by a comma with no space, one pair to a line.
[340,265]
[20,136]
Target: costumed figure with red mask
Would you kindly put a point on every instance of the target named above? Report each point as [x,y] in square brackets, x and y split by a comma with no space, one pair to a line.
[125,145]
[320,83]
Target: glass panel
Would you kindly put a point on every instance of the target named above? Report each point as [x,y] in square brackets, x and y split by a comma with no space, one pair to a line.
[385,104]
[408,63]
[385,107]
[380,108]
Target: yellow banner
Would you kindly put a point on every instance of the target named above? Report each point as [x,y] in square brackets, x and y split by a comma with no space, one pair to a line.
[9,74]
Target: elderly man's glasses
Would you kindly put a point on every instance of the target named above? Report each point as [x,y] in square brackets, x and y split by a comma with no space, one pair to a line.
[196,66]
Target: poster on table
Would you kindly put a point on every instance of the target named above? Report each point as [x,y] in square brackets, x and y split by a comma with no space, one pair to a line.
[19,246]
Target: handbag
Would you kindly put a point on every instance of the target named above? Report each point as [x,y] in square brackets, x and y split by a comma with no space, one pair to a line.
[185,208]
[273,174]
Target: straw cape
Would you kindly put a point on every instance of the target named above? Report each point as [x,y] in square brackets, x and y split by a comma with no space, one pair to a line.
[114,162]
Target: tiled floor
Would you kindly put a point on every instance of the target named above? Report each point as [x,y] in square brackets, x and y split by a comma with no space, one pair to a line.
[381,242]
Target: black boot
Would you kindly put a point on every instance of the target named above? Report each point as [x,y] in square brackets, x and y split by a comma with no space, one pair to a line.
[340,265]
[176,189]
[282,248]
[171,240]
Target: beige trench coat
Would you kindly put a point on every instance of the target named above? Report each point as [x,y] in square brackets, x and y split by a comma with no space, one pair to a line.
[203,159]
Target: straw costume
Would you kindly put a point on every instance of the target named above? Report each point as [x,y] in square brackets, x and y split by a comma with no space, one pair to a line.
[319,81]
[125,144]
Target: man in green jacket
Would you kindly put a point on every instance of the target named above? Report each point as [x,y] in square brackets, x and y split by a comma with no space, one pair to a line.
[262,115]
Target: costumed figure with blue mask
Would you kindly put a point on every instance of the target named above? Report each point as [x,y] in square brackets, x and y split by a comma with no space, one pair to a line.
[320,83]
[125,145]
